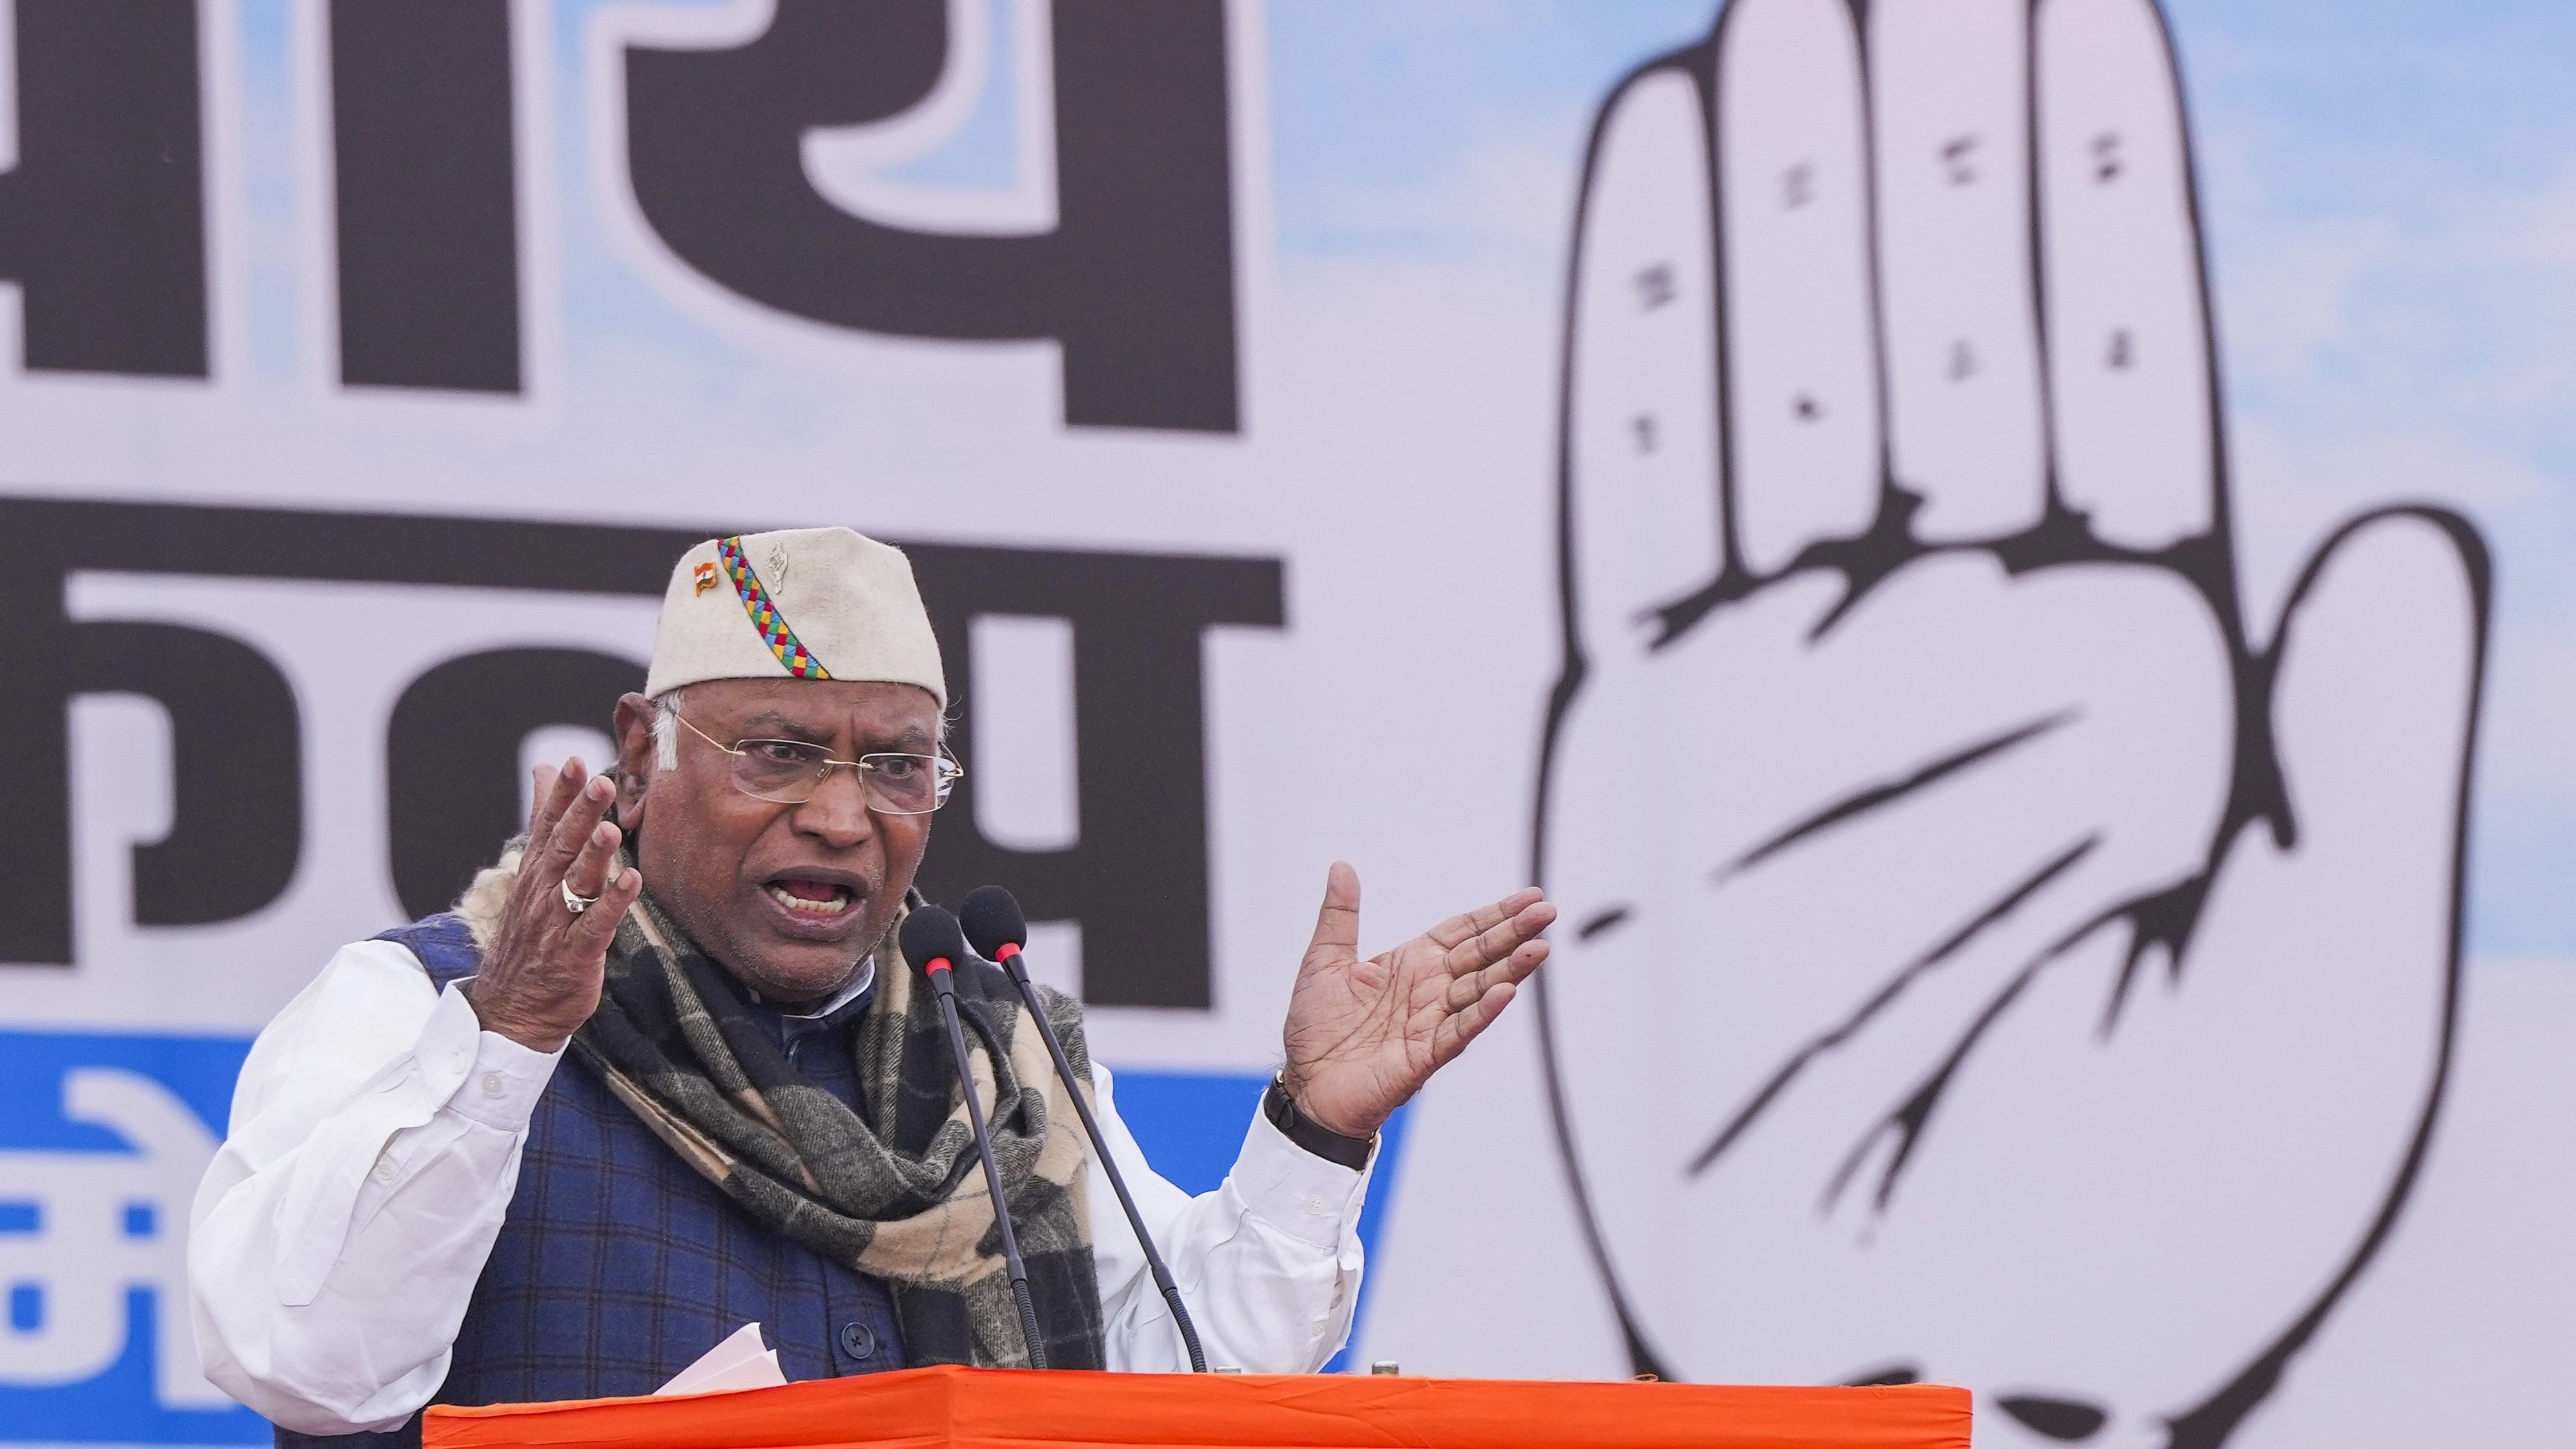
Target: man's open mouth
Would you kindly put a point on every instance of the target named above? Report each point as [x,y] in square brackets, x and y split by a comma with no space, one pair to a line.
[821,899]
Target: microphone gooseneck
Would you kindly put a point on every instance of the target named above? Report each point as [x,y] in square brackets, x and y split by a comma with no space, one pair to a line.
[932,941]
[1000,934]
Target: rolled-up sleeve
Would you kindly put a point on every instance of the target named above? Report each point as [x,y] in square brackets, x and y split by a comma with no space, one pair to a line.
[1268,1263]
[338,1234]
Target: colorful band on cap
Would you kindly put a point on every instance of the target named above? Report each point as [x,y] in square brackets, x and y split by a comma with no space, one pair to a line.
[764,614]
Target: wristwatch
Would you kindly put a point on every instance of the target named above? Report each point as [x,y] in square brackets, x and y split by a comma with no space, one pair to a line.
[1306,1132]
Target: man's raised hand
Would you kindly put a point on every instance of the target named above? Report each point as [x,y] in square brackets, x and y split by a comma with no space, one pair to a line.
[541,974]
[1364,1035]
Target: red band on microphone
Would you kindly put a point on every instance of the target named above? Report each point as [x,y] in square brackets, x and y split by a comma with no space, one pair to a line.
[935,963]
[1005,952]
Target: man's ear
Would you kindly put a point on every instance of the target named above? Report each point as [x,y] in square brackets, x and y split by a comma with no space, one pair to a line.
[636,758]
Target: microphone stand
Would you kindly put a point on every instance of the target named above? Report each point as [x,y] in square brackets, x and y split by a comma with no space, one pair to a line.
[1007,956]
[938,970]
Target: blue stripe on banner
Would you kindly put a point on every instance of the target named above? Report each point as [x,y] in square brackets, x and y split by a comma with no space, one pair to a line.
[44,1152]
[121,1406]
[1191,1126]
[198,1070]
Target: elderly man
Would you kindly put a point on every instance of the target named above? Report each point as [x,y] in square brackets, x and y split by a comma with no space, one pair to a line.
[418,1200]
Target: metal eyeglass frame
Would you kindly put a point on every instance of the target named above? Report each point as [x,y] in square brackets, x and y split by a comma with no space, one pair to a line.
[949,771]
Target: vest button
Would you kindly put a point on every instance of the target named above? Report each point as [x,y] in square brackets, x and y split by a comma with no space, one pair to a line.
[857,1341]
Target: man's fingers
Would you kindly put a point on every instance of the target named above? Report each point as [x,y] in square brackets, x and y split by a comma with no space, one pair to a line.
[592,930]
[1465,1026]
[573,829]
[588,873]
[1641,457]
[1337,924]
[557,787]
[1500,939]
[1801,336]
[2128,348]
[541,788]
[1466,925]
[1949,90]
[1513,969]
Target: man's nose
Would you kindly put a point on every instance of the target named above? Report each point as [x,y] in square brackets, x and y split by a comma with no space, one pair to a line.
[838,814]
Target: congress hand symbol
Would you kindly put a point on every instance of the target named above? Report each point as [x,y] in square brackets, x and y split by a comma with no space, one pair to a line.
[1987,956]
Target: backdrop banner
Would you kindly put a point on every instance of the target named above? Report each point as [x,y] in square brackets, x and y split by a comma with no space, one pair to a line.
[2005,563]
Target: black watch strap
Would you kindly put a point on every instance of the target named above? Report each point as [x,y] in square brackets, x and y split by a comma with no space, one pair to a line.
[1297,1127]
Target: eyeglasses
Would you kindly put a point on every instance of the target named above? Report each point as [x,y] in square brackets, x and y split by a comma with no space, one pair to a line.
[788,772]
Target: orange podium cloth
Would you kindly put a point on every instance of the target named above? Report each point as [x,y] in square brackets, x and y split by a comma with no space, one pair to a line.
[956,1408]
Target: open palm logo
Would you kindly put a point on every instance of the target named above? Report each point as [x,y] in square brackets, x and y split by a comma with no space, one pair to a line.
[1986,958]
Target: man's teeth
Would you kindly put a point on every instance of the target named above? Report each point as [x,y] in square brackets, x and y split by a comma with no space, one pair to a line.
[839,902]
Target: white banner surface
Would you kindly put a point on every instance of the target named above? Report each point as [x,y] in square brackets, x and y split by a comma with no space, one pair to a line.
[2018,604]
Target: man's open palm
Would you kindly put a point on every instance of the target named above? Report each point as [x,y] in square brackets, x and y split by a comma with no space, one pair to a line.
[1988,959]
[1363,1035]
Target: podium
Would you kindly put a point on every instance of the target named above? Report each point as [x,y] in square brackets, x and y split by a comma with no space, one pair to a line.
[957,1408]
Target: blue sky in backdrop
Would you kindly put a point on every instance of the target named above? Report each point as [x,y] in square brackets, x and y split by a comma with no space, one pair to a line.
[2390,191]
[2389,188]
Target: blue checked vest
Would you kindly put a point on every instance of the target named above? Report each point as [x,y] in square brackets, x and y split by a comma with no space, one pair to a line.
[617,1265]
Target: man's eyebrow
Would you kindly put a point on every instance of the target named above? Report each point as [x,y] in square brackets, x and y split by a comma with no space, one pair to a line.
[780,725]
[787,728]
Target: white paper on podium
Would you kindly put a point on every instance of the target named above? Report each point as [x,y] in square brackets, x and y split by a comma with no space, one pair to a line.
[737,1363]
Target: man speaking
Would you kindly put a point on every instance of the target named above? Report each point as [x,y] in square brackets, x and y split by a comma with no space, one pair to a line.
[420,1199]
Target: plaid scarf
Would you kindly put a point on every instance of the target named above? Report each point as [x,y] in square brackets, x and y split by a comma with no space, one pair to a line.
[899,1196]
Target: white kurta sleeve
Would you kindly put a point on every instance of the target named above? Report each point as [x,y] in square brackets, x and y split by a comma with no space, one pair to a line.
[1269,1262]
[338,1234]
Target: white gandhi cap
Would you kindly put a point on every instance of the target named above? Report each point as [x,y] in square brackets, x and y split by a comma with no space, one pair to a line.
[798,603]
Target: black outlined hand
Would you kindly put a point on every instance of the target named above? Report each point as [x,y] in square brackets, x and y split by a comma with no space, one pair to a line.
[1983,960]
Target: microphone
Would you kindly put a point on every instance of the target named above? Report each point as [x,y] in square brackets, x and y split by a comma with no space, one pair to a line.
[932,941]
[992,920]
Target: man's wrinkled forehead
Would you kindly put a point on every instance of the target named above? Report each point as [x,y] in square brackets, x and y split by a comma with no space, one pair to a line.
[871,715]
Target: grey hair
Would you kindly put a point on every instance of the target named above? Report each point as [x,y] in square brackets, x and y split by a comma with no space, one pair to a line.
[666,728]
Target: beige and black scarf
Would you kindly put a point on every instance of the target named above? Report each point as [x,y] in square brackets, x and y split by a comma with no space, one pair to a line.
[899,1196]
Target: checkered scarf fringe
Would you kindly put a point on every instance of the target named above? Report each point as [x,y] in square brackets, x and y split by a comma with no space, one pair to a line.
[900,1196]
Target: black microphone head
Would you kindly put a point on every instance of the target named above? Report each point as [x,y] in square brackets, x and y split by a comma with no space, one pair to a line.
[992,921]
[931,934]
